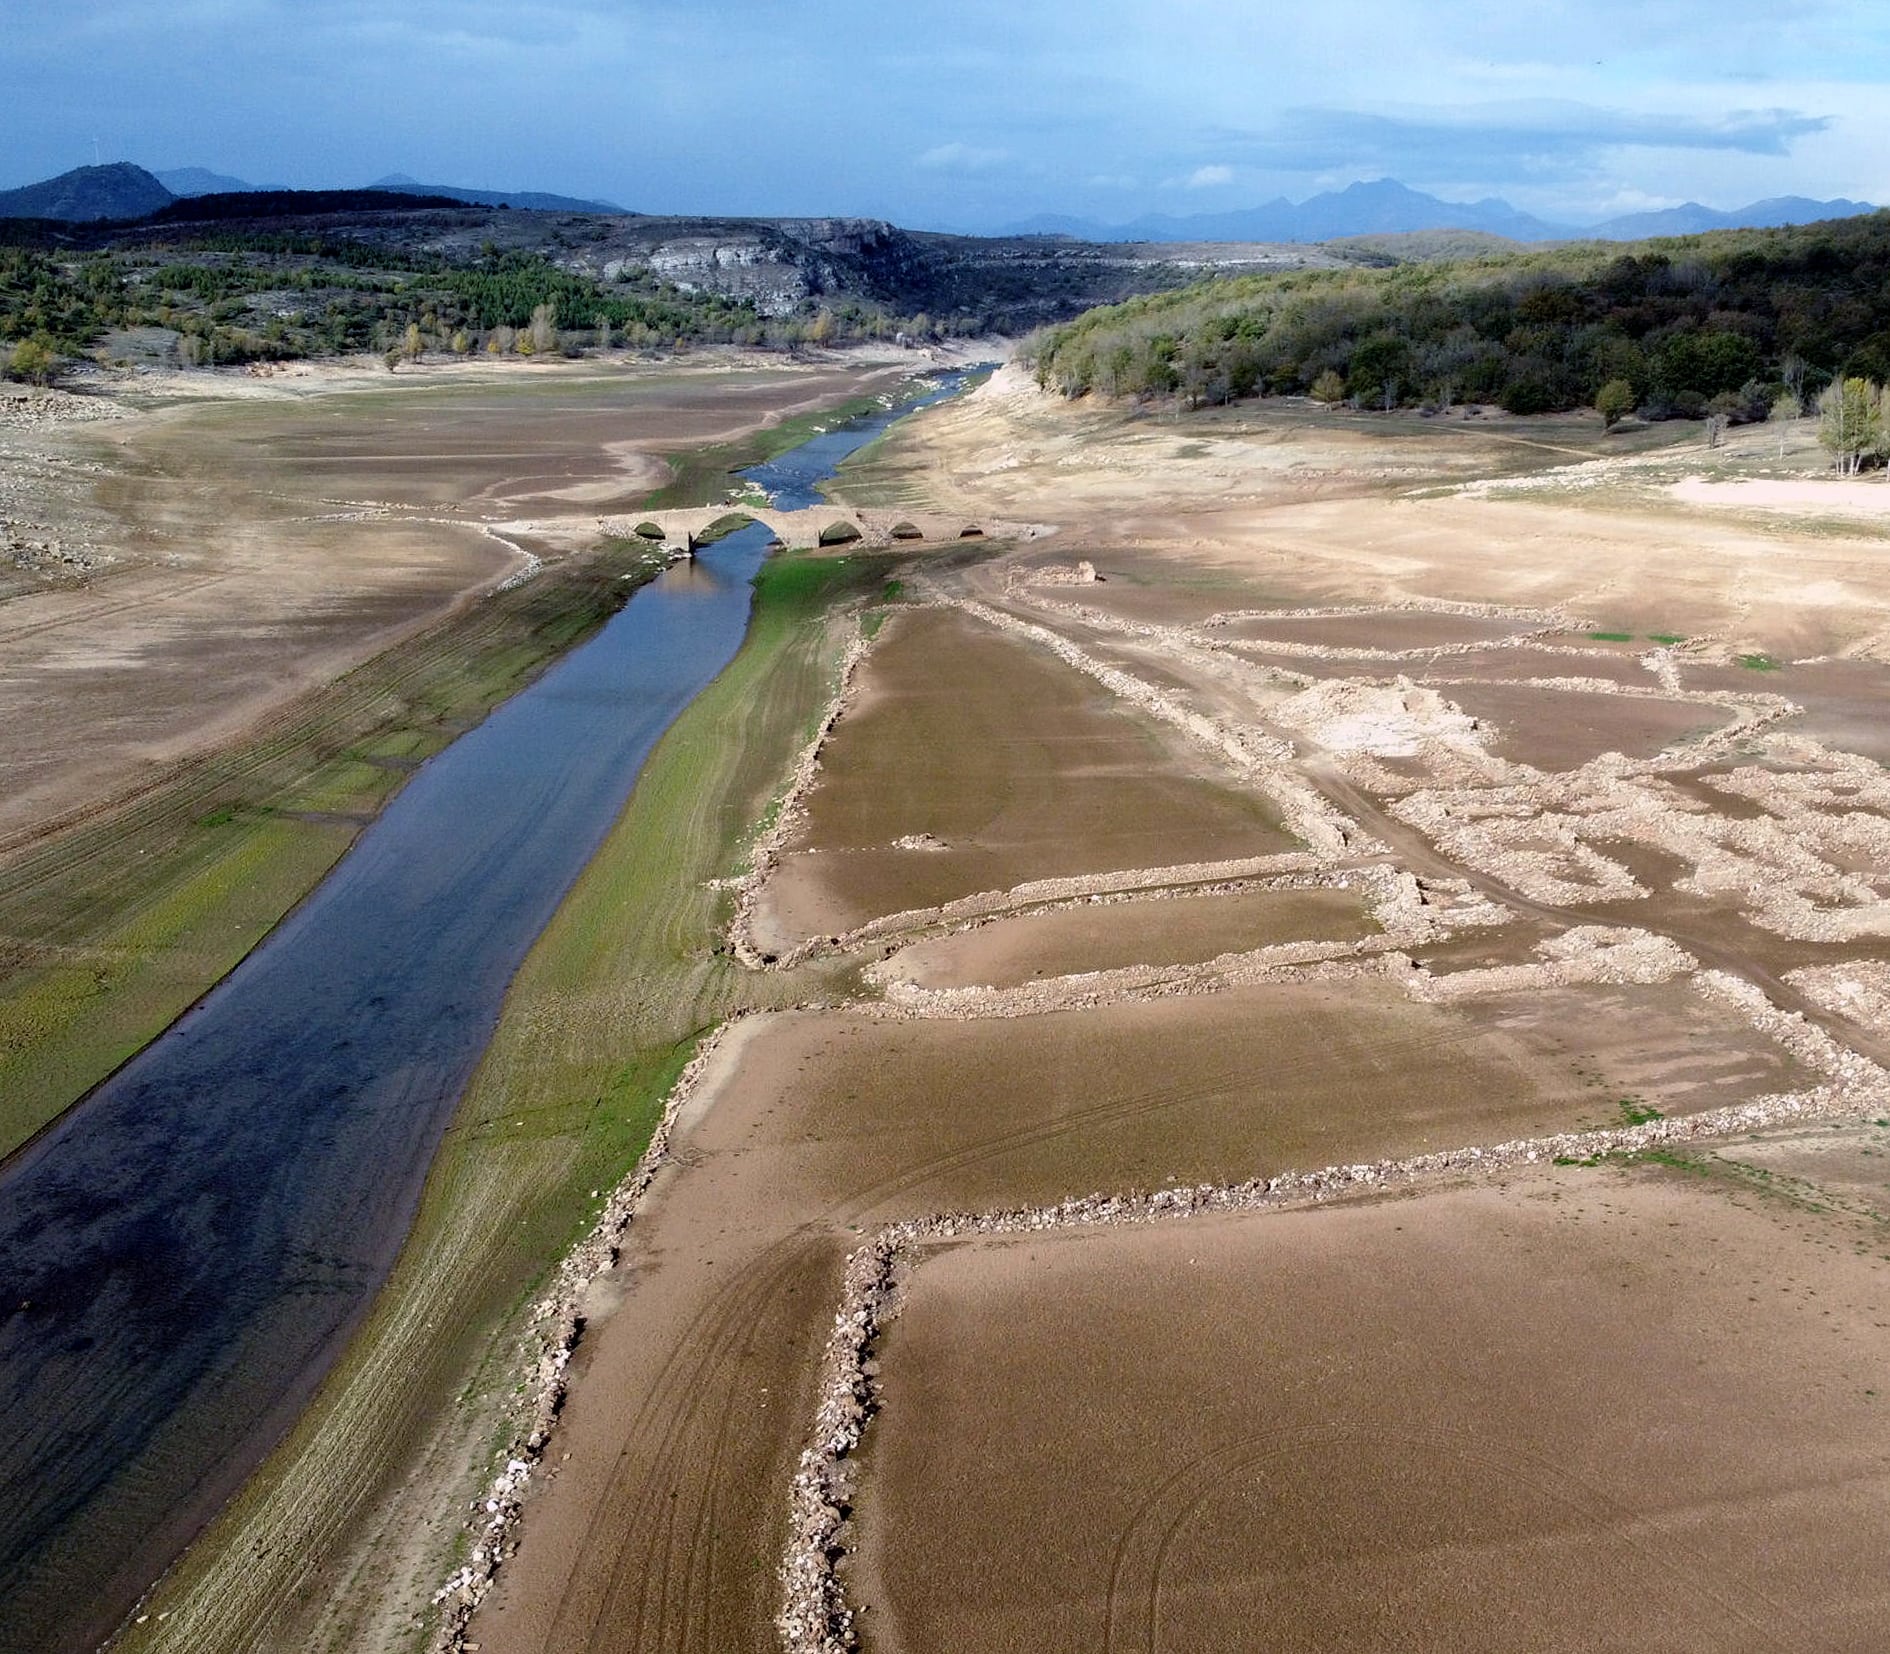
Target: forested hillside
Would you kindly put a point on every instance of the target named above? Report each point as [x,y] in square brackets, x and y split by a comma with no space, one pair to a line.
[270,275]
[1714,323]
[246,296]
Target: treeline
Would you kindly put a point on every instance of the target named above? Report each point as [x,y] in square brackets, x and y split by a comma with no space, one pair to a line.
[1716,324]
[235,297]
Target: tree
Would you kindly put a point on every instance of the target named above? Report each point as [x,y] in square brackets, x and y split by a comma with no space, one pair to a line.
[461,345]
[544,331]
[1724,409]
[1328,388]
[1380,365]
[1791,369]
[1785,408]
[1614,402]
[1850,423]
[33,360]
[412,344]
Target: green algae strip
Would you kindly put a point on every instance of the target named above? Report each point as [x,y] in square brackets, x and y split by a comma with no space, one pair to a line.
[603,1014]
[111,930]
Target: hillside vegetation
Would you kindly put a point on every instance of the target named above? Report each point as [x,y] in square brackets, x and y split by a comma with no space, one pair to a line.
[245,296]
[1715,323]
[270,275]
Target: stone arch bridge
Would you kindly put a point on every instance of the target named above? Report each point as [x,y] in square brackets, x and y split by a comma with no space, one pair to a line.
[682,531]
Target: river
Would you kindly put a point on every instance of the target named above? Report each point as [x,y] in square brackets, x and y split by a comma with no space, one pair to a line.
[183,1256]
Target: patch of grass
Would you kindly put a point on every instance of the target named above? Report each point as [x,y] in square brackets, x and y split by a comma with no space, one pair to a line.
[1757,663]
[1667,638]
[796,583]
[1612,637]
[1637,1112]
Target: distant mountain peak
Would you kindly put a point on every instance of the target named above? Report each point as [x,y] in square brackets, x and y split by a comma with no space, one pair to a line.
[115,190]
[188,181]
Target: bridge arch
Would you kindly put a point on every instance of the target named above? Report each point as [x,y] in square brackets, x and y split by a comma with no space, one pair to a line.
[723,526]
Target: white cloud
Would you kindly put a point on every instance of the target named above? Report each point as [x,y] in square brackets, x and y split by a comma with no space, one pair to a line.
[957,157]
[1210,178]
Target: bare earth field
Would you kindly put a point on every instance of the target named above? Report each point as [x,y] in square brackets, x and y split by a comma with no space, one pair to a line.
[693,1382]
[1183,930]
[1458,806]
[997,766]
[1569,1413]
[241,543]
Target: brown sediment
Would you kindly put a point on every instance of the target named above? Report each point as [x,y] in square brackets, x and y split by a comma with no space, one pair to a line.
[1184,929]
[256,542]
[1520,1413]
[1429,718]
[1015,769]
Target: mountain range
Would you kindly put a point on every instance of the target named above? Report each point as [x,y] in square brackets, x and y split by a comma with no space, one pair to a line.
[122,190]
[1386,206]
[530,200]
[1382,207]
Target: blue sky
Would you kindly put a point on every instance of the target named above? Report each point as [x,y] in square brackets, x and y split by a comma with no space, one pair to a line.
[974,113]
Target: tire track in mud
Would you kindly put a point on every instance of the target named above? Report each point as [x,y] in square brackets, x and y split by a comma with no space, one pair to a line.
[1151,1100]
[1133,1604]
[659,1527]
[660,1530]
[95,612]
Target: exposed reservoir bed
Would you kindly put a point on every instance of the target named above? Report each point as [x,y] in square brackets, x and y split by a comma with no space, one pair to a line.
[188,1249]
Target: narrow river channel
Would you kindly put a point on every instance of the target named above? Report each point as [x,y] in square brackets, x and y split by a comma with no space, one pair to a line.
[185,1254]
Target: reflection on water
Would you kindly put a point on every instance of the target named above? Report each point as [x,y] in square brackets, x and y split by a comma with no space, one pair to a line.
[184,1254]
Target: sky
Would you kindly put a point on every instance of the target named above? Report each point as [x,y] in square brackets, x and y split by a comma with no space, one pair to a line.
[971,114]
